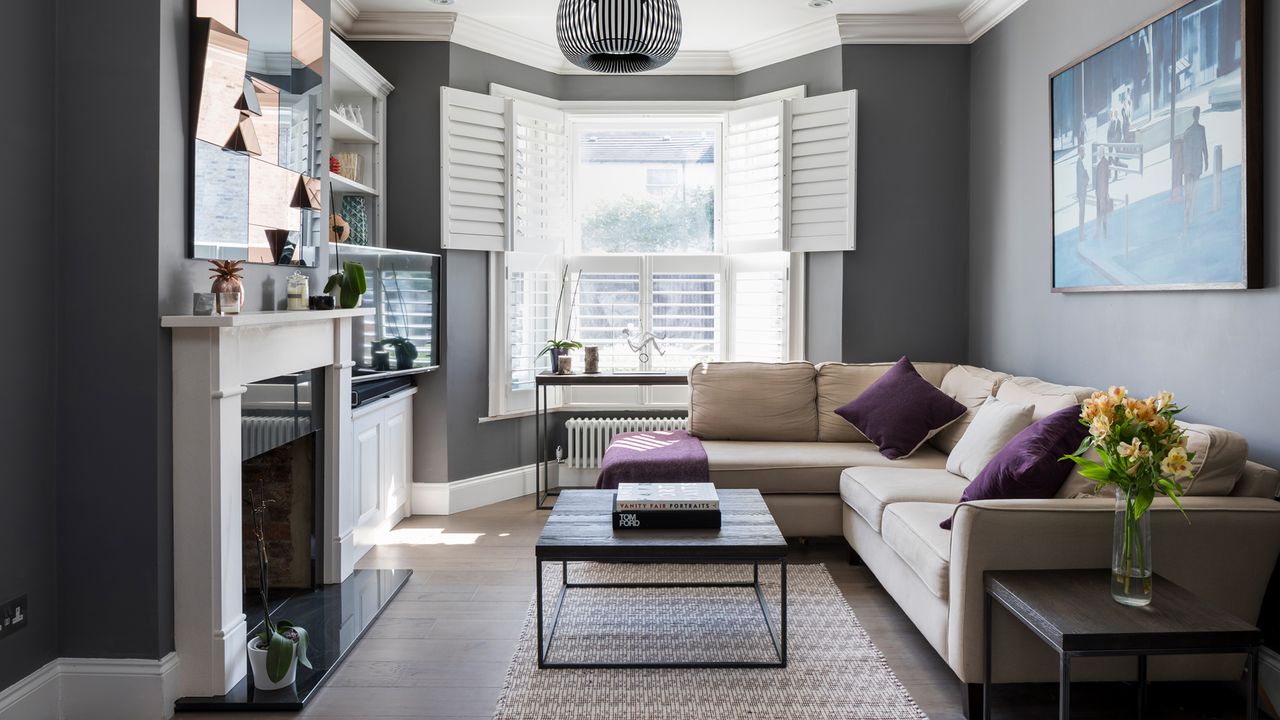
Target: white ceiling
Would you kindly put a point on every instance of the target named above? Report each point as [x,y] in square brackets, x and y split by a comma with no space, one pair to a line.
[709,25]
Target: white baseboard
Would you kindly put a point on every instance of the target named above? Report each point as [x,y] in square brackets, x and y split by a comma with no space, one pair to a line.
[95,689]
[35,697]
[472,493]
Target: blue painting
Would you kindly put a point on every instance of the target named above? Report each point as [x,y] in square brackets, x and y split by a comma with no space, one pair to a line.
[1150,186]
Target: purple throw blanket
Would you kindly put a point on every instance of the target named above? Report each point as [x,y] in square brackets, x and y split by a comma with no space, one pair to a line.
[660,456]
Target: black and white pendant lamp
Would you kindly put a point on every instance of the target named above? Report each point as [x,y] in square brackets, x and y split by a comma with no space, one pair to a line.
[619,36]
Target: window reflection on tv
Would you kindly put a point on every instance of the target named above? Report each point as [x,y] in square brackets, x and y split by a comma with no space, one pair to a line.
[403,290]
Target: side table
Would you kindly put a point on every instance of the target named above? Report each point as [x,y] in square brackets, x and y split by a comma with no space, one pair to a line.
[1073,612]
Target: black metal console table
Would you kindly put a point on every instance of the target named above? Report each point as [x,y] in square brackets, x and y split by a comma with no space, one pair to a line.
[540,411]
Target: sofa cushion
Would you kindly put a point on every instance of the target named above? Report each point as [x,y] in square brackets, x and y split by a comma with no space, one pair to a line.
[793,467]
[753,401]
[911,530]
[839,383]
[1047,398]
[996,423]
[901,410]
[1030,466]
[870,490]
[1218,462]
[970,386]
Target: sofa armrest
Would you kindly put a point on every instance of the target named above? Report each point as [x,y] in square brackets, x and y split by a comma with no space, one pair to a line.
[1225,554]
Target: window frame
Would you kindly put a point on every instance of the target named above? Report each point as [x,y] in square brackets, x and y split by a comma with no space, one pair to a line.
[506,403]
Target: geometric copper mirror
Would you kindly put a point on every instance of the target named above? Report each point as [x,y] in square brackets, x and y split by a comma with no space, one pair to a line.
[257,108]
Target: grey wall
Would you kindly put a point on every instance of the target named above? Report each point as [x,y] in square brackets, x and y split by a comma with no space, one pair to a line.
[904,286]
[1217,350]
[28,517]
[122,94]
[821,72]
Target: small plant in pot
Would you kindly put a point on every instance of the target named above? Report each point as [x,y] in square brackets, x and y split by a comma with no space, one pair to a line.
[275,652]
[560,349]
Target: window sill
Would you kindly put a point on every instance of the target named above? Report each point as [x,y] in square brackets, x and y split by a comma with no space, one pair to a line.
[587,408]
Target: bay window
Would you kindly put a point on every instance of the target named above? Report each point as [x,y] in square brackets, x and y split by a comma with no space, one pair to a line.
[664,235]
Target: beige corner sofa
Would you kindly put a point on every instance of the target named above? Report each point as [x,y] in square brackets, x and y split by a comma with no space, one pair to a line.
[772,427]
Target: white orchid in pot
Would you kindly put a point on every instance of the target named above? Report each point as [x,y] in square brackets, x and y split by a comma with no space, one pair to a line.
[275,652]
[1143,451]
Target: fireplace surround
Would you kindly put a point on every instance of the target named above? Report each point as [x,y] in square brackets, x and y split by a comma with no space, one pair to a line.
[215,358]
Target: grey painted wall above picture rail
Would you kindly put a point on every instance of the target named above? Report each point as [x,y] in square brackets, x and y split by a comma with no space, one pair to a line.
[1217,351]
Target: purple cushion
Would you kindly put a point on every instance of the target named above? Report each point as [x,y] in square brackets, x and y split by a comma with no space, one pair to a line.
[1030,467]
[901,410]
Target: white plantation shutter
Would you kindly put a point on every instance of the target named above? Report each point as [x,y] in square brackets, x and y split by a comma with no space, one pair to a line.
[754,178]
[532,288]
[760,307]
[539,179]
[686,308]
[474,158]
[823,180]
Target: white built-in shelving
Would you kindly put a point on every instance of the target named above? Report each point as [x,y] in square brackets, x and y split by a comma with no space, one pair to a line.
[355,83]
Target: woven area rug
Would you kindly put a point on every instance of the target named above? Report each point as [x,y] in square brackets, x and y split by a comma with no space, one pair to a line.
[834,669]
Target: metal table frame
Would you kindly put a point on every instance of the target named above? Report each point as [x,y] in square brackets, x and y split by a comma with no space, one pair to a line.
[1066,656]
[541,409]
[778,636]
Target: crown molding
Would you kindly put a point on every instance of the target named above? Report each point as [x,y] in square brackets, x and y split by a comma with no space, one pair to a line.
[342,15]
[420,26]
[885,29]
[982,15]
[848,29]
[803,40]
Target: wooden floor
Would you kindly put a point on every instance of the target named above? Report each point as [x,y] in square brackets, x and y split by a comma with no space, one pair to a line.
[442,648]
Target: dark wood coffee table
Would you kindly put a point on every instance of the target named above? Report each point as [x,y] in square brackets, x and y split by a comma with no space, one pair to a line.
[1073,612]
[580,529]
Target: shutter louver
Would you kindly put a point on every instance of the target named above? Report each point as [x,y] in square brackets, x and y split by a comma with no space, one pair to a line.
[754,179]
[540,179]
[474,162]
[823,187]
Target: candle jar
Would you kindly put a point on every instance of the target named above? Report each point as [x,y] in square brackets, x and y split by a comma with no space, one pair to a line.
[229,303]
[565,366]
[298,289]
[591,360]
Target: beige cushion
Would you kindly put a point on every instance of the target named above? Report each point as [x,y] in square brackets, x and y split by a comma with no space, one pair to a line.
[869,490]
[970,386]
[1219,461]
[841,383]
[795,467]
[992,428]
[911,529]
[1047,398]
[753,401]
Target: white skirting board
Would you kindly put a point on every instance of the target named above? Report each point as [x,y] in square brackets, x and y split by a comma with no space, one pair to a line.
[472,493]
[94,689]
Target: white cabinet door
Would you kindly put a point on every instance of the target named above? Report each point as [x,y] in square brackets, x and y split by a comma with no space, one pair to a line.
[396,434]
[369,476]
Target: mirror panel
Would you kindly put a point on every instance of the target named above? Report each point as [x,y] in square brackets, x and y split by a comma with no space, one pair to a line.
[258,71]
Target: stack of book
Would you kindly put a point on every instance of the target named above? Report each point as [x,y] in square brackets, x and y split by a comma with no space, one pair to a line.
[666,506]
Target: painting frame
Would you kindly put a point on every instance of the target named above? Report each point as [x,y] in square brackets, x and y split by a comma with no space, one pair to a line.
[1249,174]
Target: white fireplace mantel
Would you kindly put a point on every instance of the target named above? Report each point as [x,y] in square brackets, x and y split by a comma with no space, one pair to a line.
[214,359]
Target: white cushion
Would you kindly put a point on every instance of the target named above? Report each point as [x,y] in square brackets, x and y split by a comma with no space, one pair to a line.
[869,490]
[912,530]
[992,428]
[970,386]
[1047,397]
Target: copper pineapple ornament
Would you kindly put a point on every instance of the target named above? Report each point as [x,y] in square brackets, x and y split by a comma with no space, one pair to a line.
[226,278]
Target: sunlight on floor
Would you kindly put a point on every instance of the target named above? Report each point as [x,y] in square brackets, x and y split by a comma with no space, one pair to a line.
[428,536]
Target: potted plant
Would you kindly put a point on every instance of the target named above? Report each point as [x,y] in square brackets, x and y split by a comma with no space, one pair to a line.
[275,652]
[560,349]
[349,284]
[1143,451]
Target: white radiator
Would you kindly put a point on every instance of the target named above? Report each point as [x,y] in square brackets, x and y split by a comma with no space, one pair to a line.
[590,437]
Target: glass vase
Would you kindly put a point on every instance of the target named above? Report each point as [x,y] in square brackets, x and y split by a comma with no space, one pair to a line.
[1131,554]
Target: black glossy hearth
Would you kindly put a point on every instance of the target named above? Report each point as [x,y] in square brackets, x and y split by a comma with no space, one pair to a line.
[336,616]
